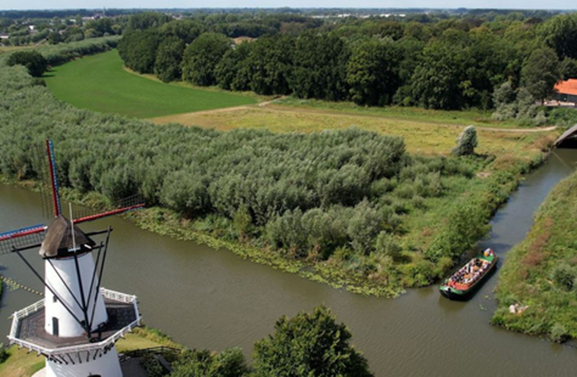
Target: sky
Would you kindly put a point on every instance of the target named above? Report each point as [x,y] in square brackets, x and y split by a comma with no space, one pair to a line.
[90,4]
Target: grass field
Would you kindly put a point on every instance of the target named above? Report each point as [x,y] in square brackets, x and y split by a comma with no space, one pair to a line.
[420,136]
[455,117]
[99,83]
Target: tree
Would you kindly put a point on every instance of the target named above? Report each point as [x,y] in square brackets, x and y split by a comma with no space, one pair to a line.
[270,64]
[32,60]
[568,68]
[560,33]
[54,38]
[229,363]
[320,67]
[438,80]
[187,30]
[138,49]
[202,56]
[232,70]
[169,59]
[466,142]
[147,20]
[540,73]
[373,72]
[309,345]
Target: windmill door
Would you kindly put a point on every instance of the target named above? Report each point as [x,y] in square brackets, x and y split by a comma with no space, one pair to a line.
[54,326]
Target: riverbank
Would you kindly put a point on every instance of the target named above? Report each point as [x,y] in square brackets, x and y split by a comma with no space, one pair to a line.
[425,255]
[22,363]
[537,291]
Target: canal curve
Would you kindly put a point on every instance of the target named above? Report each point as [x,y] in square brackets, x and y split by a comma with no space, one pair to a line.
[206,298]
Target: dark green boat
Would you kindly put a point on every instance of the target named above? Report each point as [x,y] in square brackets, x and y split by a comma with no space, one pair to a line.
[469,277]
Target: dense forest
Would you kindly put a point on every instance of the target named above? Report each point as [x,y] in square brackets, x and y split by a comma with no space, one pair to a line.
[502,63]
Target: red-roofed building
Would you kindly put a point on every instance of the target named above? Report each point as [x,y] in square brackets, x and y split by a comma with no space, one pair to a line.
[567,91]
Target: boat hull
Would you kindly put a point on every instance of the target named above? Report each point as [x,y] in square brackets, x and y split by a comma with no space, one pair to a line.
[464,294]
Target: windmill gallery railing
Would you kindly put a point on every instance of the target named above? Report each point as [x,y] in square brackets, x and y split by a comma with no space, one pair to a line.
[105,344]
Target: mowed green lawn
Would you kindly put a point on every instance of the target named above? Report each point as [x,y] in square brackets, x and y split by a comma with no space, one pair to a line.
[100,83]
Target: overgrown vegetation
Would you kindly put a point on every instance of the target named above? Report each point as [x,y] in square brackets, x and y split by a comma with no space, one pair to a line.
[348,203]
[541,271]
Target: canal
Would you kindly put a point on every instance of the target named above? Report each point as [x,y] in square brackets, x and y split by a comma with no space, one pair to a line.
[206,298]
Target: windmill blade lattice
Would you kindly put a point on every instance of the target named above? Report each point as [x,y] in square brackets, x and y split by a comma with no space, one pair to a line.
[22,239]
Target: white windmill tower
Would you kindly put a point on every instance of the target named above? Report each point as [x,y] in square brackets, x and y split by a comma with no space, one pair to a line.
[78,323]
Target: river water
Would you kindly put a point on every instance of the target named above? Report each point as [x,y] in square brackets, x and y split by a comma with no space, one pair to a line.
[206,298]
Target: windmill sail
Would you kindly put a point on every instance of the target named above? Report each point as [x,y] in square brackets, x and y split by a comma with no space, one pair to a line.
[30,237]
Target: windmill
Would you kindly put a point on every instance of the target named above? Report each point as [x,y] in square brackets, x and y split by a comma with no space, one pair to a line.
[76,326]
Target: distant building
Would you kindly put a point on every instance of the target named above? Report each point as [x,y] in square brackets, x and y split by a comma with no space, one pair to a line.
[566,92]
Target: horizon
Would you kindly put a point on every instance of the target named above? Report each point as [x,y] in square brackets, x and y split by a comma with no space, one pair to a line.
[293,7]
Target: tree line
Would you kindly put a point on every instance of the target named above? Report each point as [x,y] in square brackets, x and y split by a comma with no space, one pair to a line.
[453,63]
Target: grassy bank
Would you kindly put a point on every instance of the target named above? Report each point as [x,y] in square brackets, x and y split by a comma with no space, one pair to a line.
[99,83]
[21,363]
[540,273]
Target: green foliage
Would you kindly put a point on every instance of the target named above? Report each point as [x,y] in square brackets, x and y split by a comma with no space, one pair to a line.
[540,73]
[270,65]
[168,59]
[466,142]
[229,363]
[319,200]
[562,117]
[387,245]
[185,30]
[139,48]
[320,62]
[147,20]
[560,33]
[4,354]
[373,72]
[564,276]
[309,345]
[202,56]
[466,224]
[558,333]
[152,366]
[232,72]
[541,271]
[32,60]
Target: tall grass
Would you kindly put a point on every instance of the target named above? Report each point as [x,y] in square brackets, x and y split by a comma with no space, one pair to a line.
[541,271]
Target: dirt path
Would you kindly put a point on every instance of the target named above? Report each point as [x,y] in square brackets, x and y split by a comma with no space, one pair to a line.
[269,106]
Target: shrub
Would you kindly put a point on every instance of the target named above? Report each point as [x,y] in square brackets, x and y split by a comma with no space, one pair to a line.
[387,245]
[466,142]
[564,276]
[364,226]
[32,60]
[4,354]
[558,333]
